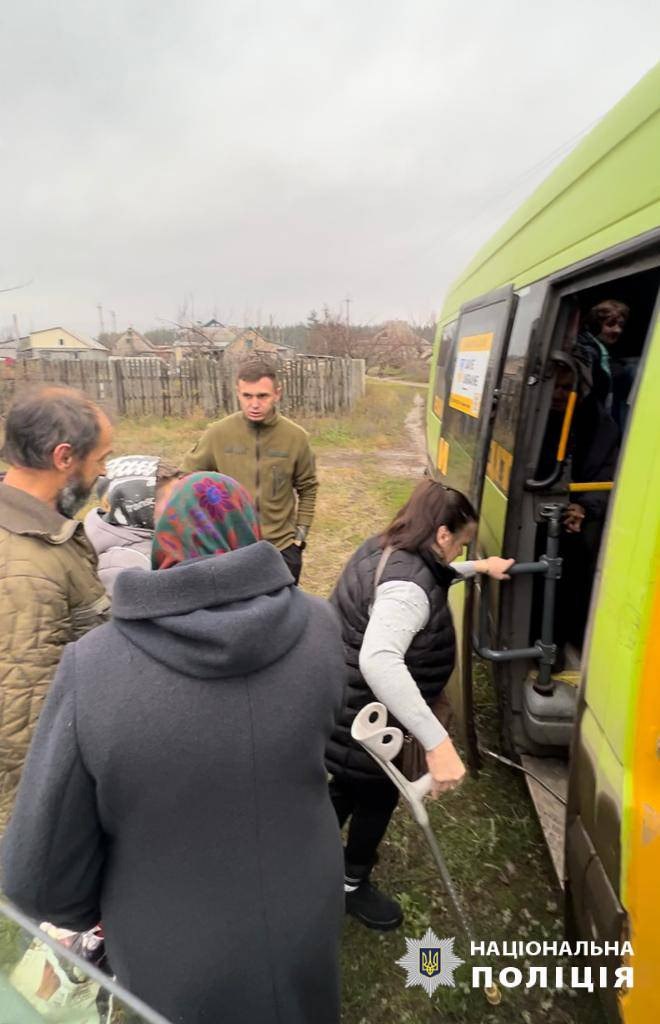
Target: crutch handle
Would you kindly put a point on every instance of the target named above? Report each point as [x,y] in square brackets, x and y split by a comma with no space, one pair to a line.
[384,742]
[370,728]
[422,786]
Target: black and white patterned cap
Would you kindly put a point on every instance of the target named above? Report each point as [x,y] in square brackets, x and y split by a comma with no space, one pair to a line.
[130,490]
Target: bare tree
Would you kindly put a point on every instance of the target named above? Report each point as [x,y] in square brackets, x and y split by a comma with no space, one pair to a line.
[331,334]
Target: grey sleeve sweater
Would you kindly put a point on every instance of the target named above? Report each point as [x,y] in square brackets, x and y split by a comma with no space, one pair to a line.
[400,610]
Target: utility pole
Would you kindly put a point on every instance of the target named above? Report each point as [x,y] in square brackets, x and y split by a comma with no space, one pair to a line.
[348,301]
[114,321]
[102,325]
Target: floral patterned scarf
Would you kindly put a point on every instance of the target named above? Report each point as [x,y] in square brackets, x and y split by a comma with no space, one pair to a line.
[207,514]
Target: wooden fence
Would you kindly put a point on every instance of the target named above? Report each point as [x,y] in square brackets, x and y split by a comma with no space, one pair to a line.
[311,385]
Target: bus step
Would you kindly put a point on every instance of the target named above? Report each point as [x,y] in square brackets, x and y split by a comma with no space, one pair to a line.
[551,814]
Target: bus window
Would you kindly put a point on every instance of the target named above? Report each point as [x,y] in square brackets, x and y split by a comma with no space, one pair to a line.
[530,303]
[444,355]
[471,378]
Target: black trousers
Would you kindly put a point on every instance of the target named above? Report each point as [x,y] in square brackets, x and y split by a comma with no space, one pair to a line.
[293,558]
[370,804]
[579,552]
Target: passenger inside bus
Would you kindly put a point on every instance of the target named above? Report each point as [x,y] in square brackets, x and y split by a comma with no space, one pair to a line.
[593,450]
[605,337]
[598,345]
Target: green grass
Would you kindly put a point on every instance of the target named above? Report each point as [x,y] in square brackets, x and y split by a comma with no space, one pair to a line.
[376,421]
[394,492]
[9,944]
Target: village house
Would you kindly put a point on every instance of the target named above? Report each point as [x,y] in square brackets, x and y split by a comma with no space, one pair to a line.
[59,343]
[133,345]
[215,338]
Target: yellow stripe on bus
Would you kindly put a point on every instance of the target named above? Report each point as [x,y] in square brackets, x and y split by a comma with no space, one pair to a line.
[499,466]
[443,456]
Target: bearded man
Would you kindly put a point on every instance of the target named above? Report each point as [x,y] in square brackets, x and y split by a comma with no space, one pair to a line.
[56,443]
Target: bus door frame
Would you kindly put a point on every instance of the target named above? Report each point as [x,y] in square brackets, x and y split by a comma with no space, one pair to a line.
[487,410]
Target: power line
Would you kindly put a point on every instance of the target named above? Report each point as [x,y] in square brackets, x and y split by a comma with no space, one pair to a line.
[540,165]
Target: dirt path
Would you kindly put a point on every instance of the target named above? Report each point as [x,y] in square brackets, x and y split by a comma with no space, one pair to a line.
[405,460]
[401,383]
[408,460]
[360,491]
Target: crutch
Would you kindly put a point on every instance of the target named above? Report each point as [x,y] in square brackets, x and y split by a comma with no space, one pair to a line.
[384,742]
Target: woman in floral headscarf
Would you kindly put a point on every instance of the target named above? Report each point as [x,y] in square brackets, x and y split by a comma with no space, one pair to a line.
[206,514]
[176,786]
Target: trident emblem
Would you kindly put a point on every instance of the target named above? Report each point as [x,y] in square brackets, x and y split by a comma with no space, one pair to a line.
[429,962]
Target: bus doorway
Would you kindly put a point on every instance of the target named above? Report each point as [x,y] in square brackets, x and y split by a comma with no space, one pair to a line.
[606,328]
[575,440]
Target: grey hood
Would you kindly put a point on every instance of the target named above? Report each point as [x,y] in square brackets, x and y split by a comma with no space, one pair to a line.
[221,616]
[103,536]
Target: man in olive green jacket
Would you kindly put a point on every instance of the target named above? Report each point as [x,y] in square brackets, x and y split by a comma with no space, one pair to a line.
[56,442]
[267,453]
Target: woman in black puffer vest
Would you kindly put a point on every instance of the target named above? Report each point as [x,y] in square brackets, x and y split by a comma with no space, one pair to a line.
[399,644]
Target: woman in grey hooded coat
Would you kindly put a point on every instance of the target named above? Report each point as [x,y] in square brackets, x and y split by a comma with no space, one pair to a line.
[175,788]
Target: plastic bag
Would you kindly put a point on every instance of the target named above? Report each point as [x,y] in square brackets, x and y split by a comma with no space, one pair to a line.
[57,989]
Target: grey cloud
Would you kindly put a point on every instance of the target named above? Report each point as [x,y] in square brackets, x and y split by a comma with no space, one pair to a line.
[273,157]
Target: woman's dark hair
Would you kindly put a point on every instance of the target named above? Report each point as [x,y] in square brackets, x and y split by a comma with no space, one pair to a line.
[44,417]
[605,310]
[430,505]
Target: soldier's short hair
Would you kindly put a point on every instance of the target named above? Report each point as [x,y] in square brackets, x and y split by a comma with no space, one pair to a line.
[254,367]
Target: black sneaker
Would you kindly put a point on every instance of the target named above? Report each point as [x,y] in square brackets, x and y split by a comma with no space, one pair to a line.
[372,908]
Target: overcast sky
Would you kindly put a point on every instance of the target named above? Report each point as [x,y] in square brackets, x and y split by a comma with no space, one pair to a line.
[265,158]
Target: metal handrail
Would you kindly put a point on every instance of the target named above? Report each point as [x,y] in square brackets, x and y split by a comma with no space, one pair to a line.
[544,650]
[593,486]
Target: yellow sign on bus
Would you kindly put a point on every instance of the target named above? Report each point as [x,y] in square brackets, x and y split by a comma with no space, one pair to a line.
[469,380]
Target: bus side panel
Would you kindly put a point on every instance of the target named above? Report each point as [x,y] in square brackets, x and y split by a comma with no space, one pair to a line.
[641,823]
[641,881]
[614,789]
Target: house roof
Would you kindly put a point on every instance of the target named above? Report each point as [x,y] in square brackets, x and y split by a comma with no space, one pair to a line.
[87,342]
[250,334]
[133,336]
[213,336]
